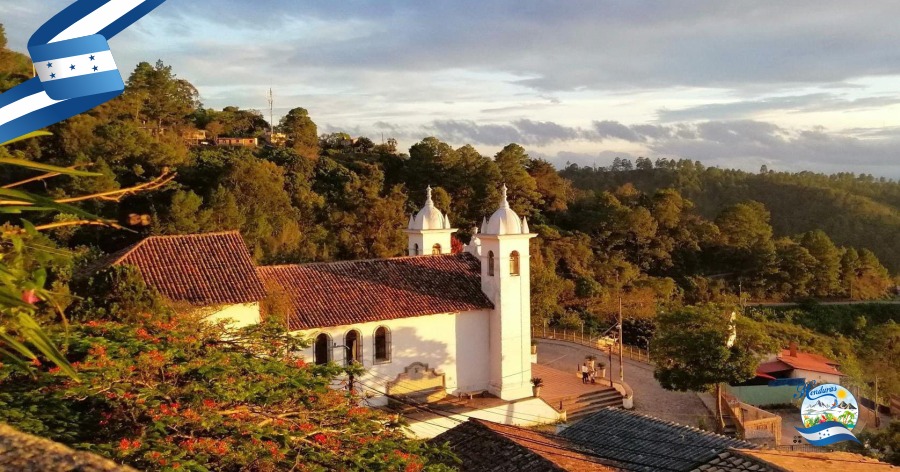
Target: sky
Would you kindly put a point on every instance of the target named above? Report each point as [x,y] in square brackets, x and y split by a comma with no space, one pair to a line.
[797,85]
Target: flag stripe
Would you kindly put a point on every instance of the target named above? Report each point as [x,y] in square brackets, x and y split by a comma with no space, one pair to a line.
[25,106]
[98,19]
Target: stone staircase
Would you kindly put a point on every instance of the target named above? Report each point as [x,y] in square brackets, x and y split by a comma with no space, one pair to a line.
[577,407]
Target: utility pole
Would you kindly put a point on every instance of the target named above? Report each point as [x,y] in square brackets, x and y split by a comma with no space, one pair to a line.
[621,341]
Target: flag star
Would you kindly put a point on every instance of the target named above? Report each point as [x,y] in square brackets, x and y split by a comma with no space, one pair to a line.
[72,67]
[52,76]
[95,68]
[92,57]
[49,65]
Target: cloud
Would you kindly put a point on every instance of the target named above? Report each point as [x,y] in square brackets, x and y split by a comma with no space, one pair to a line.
[527,132]
[614,130]
[814,102]
[741,143]
[597,45]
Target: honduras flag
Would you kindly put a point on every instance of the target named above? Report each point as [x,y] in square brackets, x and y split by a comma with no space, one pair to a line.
[75,68]
[826,433]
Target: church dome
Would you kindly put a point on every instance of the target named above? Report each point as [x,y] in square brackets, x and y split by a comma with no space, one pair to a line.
[504,220]
[429,217]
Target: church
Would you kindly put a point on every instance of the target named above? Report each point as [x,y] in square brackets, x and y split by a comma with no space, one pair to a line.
[424,326]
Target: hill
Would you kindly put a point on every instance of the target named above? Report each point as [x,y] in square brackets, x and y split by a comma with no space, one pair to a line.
[854,210]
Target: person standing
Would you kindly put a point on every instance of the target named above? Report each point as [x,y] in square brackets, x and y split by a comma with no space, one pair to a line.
[584,373]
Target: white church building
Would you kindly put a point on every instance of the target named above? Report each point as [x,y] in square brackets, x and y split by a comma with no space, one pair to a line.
[424,326]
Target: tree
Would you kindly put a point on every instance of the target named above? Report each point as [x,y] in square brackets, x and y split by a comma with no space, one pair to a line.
[302,133]
[826,275]
[165,100]
[524,197]
[177,393]
[556,192]
[691,349]
[795,270]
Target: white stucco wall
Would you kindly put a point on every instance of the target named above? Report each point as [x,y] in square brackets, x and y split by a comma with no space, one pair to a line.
[456,345]
[511,318]
[241,315]
[819,377]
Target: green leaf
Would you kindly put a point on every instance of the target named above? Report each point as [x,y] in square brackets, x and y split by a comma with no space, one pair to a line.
[45,202]
[36,336]
[34,134]
[19,347]
[46,167]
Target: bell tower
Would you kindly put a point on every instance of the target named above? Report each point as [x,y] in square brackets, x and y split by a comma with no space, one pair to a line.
[504,242]
[429,231]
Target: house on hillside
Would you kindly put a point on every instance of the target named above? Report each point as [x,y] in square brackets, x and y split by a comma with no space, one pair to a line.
[211,272]
[237,142]
[424,326]
[794,364]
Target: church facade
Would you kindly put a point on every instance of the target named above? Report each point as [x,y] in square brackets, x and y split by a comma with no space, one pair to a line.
[430,324]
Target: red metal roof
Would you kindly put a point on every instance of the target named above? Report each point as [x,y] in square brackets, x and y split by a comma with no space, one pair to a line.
[344,293]
[810,362]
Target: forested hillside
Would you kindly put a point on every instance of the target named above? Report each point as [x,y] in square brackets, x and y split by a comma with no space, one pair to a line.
[855,210]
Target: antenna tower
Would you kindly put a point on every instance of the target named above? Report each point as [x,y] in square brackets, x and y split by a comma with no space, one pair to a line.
[271,98]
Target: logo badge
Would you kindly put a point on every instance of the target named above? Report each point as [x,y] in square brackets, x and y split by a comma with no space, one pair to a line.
[829,412]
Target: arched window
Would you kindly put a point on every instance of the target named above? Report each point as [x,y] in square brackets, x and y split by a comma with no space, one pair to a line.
[436,250]
[322,349]
[353,341]
[514,263]
[382,345]
[416,250]
[491,263]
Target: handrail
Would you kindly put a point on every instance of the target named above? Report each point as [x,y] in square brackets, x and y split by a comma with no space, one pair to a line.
[596,342]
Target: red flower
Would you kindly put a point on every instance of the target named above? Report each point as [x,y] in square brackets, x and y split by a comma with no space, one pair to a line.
[36,362]
[29,297]
[320,438]
[209,403]
[126,445]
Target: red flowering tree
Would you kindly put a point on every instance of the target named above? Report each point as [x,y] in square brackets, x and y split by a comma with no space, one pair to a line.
[179,394]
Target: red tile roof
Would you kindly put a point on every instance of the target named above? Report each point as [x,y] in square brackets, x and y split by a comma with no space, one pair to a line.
[200,269]
[483,446]
[810,362]
[343,293]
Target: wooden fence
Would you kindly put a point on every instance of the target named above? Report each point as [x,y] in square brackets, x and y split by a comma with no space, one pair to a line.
[601,343]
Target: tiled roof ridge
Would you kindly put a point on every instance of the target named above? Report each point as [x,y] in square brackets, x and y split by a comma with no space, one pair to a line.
[128,250]
[708,434]
[359,261]
[480,423]
[553,441]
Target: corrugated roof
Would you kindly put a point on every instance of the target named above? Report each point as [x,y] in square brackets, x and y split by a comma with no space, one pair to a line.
[483,446]
[344,293]
[648,444]
[200,269]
